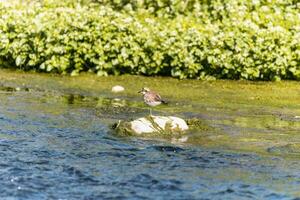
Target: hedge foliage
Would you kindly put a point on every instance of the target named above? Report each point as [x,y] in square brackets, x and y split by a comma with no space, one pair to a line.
[203,39]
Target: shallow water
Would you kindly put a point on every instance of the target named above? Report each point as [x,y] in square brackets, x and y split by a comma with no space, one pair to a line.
[60,146]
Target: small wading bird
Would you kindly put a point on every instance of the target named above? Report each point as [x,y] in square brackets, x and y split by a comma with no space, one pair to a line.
[151,98]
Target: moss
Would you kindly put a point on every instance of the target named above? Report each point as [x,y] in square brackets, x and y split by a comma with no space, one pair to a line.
[199,124]
[122,128]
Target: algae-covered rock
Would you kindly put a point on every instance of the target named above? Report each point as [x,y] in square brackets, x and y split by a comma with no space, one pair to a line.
[152,124]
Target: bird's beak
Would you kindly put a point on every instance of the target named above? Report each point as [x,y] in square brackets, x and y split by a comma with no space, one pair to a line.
[140,91]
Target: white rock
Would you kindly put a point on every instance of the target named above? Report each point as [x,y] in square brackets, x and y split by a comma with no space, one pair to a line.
[117,88]
[141,125]
[178,123]
[158,124]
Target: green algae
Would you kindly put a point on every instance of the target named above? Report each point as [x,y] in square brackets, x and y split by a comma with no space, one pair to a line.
[260,117]
[198,124]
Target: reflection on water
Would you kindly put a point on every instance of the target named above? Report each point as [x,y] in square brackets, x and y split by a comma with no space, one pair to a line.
[56,146]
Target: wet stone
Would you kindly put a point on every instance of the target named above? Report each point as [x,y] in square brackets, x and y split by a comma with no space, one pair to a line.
[152,124]
[117,89]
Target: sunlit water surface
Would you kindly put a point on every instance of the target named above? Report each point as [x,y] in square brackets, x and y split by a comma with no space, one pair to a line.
[51,148]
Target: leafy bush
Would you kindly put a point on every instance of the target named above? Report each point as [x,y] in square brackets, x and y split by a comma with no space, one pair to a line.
[232,39]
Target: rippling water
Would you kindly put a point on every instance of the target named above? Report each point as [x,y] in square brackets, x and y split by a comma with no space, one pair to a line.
[51,148]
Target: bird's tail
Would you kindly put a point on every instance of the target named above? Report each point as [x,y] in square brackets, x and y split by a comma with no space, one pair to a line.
[164,101]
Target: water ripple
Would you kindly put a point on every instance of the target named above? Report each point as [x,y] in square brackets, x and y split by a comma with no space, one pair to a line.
[57,149]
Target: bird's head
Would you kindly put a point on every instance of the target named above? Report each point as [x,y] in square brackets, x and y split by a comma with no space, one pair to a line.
[144,90]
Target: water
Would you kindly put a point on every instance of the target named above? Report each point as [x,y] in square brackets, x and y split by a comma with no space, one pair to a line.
[53,148]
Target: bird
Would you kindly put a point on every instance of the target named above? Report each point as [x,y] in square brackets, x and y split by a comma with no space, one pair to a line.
[151,98]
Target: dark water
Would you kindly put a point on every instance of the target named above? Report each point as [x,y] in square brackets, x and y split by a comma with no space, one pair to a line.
[51,148]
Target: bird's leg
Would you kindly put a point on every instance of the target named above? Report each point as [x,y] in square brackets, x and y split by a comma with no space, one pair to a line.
[150,111]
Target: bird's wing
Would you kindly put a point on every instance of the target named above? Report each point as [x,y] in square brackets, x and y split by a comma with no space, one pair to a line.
[157,97]
[153,96]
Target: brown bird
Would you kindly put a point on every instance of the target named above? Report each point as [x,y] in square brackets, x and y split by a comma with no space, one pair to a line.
[151,98]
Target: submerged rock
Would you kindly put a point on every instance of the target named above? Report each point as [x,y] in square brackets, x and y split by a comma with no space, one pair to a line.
[152,124]
[286,149]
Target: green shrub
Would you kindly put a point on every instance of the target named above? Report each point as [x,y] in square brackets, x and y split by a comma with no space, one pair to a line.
[232,39]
